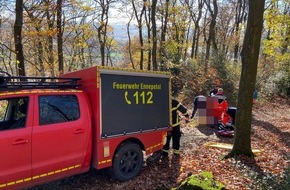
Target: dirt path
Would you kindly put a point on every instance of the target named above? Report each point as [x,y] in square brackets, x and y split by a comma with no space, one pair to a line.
[271,133]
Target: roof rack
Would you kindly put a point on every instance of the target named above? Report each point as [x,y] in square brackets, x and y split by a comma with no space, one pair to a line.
[20,82]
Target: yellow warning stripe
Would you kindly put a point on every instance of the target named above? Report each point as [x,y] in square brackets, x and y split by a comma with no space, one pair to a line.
[98,78]
[38,91]
[39,176]
[105,161]
[154,146]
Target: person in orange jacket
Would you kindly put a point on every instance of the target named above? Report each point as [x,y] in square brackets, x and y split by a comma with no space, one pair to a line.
[222,106]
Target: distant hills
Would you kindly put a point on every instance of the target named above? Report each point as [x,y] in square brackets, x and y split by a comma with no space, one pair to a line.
[120,32]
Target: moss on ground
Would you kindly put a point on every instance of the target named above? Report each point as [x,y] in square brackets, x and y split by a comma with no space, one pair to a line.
[204,181]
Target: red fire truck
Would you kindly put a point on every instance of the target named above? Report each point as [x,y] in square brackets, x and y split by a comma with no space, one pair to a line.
[98,117]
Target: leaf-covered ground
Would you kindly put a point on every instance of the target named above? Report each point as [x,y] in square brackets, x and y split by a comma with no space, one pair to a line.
[270,133]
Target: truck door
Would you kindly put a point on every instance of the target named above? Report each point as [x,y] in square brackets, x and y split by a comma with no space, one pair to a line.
[15,142]
[60,137]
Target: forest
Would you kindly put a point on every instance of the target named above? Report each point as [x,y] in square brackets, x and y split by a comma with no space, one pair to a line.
[202,39]
[238,45]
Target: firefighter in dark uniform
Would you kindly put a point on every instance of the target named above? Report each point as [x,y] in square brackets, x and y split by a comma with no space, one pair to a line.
[175,134]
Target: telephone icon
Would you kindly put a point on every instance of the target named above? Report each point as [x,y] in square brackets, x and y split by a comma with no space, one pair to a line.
[126,98]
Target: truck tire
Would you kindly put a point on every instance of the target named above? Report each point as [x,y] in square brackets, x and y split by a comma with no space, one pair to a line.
[127,162]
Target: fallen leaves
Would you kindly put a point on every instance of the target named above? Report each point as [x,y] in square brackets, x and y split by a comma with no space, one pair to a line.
[271,132]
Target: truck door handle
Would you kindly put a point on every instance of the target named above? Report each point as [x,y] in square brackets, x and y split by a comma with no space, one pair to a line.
[78,131]
[20,141]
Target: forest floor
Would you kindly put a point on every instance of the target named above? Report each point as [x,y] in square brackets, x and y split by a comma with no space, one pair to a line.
[270,135]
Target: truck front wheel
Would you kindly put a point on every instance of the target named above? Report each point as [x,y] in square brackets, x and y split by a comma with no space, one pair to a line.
[127,162]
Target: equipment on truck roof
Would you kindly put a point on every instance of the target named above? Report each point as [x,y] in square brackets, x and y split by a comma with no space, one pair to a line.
[22,82]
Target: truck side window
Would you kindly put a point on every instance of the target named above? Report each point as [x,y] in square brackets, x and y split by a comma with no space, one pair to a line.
[58,109]
[13,113]
[3,109]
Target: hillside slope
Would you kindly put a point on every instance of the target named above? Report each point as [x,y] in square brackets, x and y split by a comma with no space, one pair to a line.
[270,134]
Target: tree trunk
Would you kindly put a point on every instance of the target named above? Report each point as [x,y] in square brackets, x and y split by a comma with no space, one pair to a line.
[140,30]
[250,56]
[197,42]
[107,5]
[148,24]
[130,42]
[50,55]
[40,47]
[162,52]
[40,57]
[102,44]
[193,43]
[186,42]
[154,35]
[59,36]
[196,33]
[212,26]
[141,47]
[102,29]
[207,43]
[50,20]
[240,12]
[18,37]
